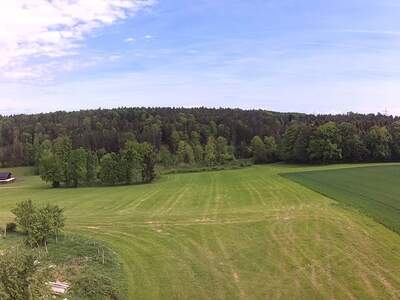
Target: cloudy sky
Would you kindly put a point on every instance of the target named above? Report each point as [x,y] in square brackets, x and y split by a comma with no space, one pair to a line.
[316,56]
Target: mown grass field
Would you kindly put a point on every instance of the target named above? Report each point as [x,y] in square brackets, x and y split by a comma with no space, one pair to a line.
[240,234]
[373,190]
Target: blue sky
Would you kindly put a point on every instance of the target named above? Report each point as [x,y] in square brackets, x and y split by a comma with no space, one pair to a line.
[314,56]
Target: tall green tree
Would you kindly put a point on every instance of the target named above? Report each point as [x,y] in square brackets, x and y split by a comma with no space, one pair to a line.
[40,149]
[91,167]
[271,149]
[109,172]
[77,167]
[181,152]
[51,169]
[258,150]
[149,159]
[166,158]
[25,215]
[198,152]
[221,149]
[132,161]
[62,149]
[57,219]
[353,147]
[189,154]
[378,142]
[210,152]
[185,153]
[174,141]
[295,143]
[324,145]
[395,132]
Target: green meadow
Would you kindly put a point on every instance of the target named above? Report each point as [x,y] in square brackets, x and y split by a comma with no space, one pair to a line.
[239,234]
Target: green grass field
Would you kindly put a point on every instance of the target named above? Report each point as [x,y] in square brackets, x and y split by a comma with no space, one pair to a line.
[373,190]
[240,234]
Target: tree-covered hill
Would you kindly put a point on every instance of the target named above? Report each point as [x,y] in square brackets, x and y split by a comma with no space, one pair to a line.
[204,135]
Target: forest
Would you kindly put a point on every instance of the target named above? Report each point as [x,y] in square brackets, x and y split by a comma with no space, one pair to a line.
[200,136]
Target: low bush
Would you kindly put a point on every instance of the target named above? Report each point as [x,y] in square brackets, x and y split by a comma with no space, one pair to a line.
[11,227]
[96,286]
[186,168]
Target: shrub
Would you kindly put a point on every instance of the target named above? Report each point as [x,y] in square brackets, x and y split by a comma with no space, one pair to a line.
[39,224]
[20,278]
[11,227]
[96,286]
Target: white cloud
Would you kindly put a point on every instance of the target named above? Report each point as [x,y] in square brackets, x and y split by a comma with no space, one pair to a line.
[129,40]
[37,29]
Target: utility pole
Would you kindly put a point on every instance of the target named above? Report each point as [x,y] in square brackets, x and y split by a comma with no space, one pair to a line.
[386,112]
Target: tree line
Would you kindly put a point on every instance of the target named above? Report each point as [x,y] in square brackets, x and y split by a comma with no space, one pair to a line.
[177,136]
[60,164]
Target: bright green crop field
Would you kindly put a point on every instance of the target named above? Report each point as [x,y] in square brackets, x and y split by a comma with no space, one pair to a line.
[240,234]
[373,190]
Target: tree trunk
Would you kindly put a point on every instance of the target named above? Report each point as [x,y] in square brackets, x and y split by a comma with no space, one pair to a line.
[29,292]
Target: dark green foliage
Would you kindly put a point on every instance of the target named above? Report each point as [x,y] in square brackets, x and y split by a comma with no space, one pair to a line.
[296,139]
[148,162]
[20,278]
[11,227]
[166,158]
[198,151]
[395,132]
[174,141]
[192,136]
[95,286]
[378,142]
[324,146]
[353,148]
[91,167]
[124,168]
[134,163]
[109,173]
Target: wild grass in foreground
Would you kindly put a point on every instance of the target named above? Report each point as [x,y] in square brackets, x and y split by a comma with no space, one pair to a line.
[92,269]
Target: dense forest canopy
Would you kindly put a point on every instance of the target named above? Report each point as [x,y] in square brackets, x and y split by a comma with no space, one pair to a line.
[204,135]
